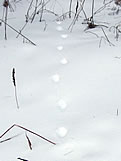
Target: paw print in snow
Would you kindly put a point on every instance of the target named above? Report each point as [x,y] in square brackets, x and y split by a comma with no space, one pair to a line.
[61,132]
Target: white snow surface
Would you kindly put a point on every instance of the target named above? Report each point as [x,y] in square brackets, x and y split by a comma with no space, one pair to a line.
[69,91]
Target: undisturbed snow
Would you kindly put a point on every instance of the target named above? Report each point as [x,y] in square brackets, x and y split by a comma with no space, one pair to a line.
[69,91]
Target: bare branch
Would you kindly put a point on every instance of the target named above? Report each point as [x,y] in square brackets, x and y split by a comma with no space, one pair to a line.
[19,33]
[32,132]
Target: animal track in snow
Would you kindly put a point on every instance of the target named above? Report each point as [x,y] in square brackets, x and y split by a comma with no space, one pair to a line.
[58,22]
[59,48]
[64,36]
[64,61]
[61,131]
[62,104]
[59,28]
[56,78]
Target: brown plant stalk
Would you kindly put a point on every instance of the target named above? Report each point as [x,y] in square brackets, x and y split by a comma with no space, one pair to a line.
[27,130]
[15,87]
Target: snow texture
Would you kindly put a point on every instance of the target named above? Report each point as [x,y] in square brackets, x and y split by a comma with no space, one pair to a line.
[69,89]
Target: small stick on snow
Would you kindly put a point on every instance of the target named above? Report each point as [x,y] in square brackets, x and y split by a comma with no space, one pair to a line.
[21,127]
[22,159]
[18,32]
[29,142]
[9,138]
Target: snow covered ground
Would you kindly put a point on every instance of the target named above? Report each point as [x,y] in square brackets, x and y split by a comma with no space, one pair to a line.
[69,91]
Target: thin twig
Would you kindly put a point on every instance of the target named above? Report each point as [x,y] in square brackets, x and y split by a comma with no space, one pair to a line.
[70,6]
[34,133]
[19,33]
[22,159]
[29,142]
[14,83]
[92,33]
[6,15]
[9,138]
[92,11]
[6,5]
[111,44]
[27,14]
[42,10]
[77,15]
[35,11]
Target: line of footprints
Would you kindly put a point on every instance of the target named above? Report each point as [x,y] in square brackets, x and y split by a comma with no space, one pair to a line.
[61,103]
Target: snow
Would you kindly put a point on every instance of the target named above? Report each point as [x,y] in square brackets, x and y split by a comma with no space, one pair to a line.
[59,28]
[59,48]
[62,104]
[64,61]
[68,90]
[64,36]
[62,131]
[56,78]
